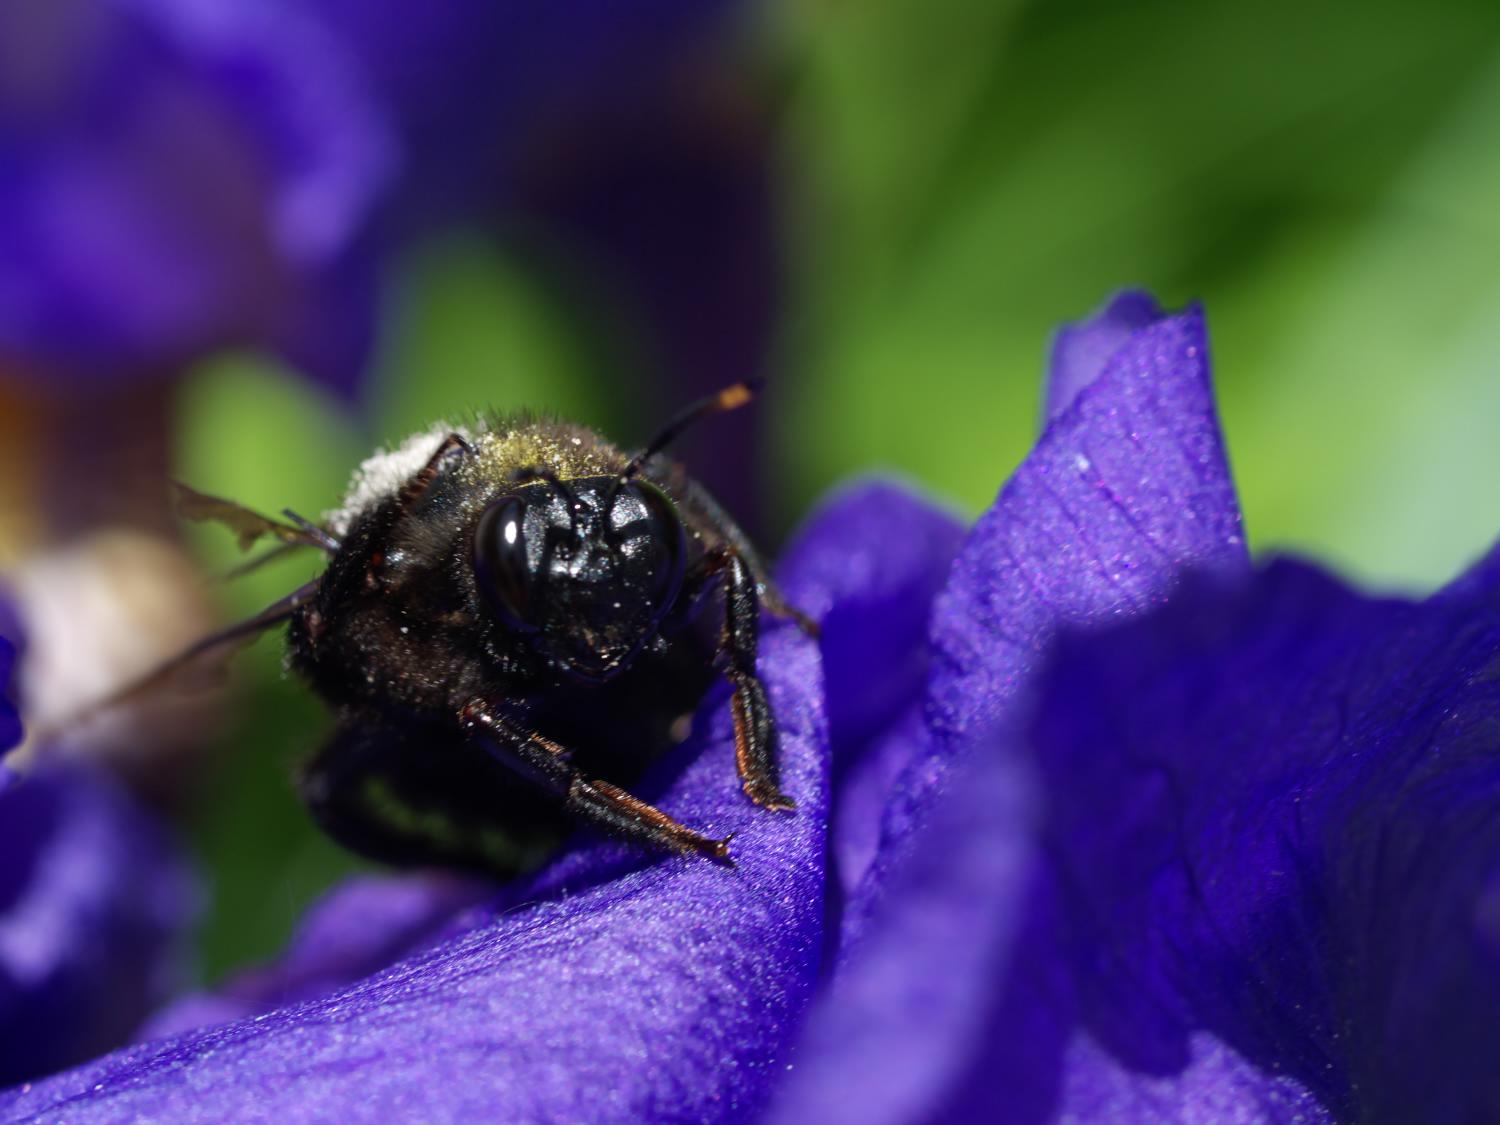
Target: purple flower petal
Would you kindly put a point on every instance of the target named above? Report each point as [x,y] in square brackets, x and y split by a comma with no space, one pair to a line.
[1081,351]
[867,567]
[956,1003]
[667,990]
[94,902]
[358,929]
[1123,492]
[1217,1085]
[1275,817]
[899,1022]
[1479,584]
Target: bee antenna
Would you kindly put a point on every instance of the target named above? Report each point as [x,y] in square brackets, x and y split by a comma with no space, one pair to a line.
[321,536]
[730,398]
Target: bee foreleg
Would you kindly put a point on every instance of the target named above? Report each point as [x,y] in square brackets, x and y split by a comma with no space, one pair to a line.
[450,447]
[754,725]
[603,805]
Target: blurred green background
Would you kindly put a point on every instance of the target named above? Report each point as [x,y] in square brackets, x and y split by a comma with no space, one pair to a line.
[957,178]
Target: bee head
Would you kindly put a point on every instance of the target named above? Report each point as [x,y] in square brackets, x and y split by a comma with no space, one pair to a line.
[585,569]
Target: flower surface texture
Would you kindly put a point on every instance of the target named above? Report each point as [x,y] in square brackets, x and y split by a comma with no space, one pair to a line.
[1096,822]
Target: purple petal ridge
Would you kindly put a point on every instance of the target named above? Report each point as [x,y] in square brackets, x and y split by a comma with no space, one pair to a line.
[1125,490]
[867,567]
[899,1021]
[1080,352]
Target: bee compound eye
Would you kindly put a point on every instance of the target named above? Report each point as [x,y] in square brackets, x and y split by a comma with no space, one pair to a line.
[502,564]
[669,540]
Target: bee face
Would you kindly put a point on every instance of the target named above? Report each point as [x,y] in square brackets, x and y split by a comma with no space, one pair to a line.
[585,569]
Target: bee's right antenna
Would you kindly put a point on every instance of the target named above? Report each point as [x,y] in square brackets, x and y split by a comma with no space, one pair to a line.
[731,397]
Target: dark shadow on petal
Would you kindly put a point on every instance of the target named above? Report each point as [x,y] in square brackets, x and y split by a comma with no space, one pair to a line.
[1274,818]
[867,565]
[905,1012]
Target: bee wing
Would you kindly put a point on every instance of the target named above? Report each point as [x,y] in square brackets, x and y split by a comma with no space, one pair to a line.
[248,525]
[201,663]
[249,566]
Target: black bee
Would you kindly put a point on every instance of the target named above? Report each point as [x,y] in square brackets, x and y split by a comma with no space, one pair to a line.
[510,628]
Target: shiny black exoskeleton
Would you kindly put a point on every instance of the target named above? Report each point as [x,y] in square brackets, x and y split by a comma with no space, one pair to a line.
[511,630]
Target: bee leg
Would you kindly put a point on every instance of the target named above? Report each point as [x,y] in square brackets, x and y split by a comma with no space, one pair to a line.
[411,493]
[603,805]
[754,726]
[450,447]
[702,514]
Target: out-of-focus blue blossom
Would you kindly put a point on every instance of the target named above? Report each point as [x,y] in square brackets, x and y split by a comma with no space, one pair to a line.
[95,900]
[182,176]
[178,176]
[479,94]
[615,148]
[10,656]
[1169,839]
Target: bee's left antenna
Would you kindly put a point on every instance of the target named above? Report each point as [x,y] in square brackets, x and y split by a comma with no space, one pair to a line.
[730,398]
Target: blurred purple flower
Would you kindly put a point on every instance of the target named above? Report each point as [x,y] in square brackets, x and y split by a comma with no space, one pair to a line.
[178,176]
[1172,839]
[94,904]
[621,151]
[181,176]
[10,654]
